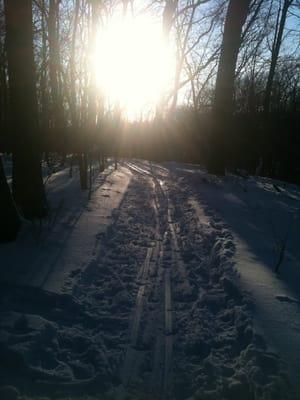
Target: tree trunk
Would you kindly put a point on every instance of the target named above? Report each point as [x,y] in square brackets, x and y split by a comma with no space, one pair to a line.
[83,172]
[3,89]
[43,78]
[268,150]
[58,114]
[223,102]
[275,53]
[10,221]
[28,188]
[54,65]
[73,103]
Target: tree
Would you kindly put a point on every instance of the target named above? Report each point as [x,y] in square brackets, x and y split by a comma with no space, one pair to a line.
[9,217]
[54,65]
[280,23]
[28,188]
[73,103]
[223,101]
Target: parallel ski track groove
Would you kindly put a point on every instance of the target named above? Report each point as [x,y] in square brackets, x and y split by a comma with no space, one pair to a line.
[133,356]
[165,342]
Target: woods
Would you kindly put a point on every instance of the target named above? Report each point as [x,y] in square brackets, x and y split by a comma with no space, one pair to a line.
[232,101]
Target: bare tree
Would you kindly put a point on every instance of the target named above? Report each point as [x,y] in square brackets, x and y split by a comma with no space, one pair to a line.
[223,102]
[28,189]
[9,217]
[279,28]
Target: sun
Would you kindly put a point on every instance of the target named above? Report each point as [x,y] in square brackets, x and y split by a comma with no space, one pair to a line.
[134,65]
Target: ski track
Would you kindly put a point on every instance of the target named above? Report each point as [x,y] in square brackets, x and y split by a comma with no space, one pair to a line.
[159,281]
[155,313]
[218,294]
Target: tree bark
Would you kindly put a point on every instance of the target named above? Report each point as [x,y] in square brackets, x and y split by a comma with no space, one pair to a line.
[73,103]
[43,78]
[3,89]
[223,101]
[268,148]
[28,188]
[275,53]
[10,221]
[54,65]
[58,114]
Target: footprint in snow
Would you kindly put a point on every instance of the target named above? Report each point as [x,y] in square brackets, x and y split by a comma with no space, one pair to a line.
[286,299]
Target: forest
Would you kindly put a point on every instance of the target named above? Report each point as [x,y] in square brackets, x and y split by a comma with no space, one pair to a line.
[174,108]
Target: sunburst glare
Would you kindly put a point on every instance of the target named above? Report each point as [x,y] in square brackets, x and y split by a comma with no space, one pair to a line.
[134,65]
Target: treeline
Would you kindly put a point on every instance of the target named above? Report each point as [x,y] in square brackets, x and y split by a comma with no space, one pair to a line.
[268,147]
[233,103]
[184,136]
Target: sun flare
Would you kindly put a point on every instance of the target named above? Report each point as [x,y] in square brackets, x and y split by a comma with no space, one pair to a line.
[134,65]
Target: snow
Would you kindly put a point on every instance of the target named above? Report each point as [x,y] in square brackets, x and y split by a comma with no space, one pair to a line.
[161,285]
[45,255]
[260,217]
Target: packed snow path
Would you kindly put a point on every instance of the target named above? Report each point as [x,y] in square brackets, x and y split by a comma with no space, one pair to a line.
[135,294]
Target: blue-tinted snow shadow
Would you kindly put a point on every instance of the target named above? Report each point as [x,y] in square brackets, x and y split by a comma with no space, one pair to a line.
[260,215]
[46,239]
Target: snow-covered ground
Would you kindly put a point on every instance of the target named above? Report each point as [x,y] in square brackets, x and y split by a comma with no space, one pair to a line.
[263,215]
[162,285]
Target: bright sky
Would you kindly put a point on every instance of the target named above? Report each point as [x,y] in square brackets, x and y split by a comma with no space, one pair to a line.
[134,65]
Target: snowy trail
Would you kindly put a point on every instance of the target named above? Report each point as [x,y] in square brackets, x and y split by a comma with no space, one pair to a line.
[92,223]
[160,177]
[156,279]
[166,255]
[132,359]
[142,300]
